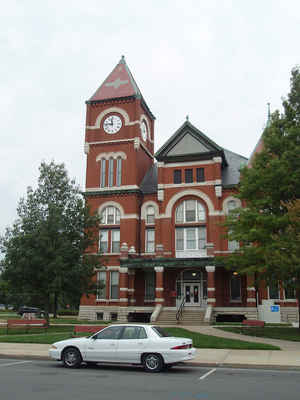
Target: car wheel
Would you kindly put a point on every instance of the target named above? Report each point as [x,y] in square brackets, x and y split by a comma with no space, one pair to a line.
[153,362]
[71,358]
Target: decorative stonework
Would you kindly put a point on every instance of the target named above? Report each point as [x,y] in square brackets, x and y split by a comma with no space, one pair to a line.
[137,143]
[86,148]
[160,195]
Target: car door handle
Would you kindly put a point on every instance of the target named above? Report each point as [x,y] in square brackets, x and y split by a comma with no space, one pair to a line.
[112,344]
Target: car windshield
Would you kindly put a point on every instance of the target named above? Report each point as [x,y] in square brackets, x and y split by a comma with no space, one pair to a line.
[160,332]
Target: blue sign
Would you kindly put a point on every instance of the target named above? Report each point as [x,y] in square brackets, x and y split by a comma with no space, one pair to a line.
[274,308]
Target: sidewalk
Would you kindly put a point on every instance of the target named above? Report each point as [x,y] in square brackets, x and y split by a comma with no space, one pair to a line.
[287,358]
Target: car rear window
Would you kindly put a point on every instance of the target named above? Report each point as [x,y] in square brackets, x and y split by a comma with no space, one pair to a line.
[160,332]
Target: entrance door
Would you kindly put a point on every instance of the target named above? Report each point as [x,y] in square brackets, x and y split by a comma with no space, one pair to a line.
[192,294]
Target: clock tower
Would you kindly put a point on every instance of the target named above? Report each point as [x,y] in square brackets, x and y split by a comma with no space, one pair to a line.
[119,144]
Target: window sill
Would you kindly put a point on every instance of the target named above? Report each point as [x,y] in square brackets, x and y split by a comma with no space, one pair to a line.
[109,254]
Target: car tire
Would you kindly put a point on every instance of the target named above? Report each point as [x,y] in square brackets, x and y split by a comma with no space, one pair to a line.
[71,357]
[153,362]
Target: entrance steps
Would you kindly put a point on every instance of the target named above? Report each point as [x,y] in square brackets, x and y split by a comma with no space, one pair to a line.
[192,317]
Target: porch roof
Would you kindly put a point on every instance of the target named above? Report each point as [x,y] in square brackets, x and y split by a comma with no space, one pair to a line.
[138,263]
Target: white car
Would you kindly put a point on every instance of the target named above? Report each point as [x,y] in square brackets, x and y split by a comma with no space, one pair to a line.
[148,345]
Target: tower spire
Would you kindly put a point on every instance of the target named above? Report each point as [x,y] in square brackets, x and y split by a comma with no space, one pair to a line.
[269,116]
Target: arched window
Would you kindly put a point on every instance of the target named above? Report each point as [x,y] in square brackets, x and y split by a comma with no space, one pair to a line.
[103,173]
[110,216]
[109,238]
[190,239]
[190,211]
[150,215]
[119,172]
[111,172]
[231,205]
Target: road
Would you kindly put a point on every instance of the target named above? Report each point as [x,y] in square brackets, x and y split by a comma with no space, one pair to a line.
[48,380]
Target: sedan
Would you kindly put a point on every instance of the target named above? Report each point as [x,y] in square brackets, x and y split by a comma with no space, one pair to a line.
[148,345]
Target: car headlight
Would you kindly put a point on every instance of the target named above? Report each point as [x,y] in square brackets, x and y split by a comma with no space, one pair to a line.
[53,347]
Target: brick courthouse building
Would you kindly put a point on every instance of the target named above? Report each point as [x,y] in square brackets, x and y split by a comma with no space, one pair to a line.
[160,215]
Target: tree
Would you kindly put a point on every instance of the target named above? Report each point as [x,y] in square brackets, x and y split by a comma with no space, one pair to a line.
[266,228]
[45,251]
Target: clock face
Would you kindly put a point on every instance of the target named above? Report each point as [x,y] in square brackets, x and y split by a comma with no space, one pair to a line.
[144,131]
[112,124]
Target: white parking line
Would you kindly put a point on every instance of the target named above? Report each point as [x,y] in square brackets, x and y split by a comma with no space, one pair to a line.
[208,373]
[14,363]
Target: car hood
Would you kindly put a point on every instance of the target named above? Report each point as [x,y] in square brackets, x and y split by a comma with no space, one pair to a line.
[74,341]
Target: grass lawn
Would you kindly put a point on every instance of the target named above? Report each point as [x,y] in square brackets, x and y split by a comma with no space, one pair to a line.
[201,341]
[56,333]
[272,332]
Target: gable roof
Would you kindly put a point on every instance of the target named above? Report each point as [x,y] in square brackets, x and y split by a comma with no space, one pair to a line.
[189,142]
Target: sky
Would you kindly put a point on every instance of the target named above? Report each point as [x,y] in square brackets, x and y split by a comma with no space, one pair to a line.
[218,61]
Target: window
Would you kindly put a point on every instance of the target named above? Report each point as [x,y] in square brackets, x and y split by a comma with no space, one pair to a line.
[103,173]
[233,245]
[110,216]
[109,239]
[115,241]
[119,171]
[289,290]
[188,175]
[193,238]
[150,215]
[150,240]
[110,172]
[231,205]
[101,280]
[235,287]
[113,332]
[134,332]
[200,175]
[149,285]
[190,211]
[114,285]
[177,176]
[274,291]
[103,241]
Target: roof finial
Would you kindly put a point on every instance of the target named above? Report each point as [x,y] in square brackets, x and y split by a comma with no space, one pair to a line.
[122,61]
[269,116]
[187,117]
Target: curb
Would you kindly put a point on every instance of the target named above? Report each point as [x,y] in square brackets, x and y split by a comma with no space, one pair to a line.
[243,366]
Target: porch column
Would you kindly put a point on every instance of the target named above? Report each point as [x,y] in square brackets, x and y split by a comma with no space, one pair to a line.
[159,286]
[251,300]
[211,286]
[123,286]
[131,278]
